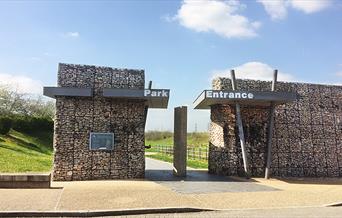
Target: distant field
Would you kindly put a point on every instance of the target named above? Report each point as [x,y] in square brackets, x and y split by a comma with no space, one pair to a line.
[22,152]
[166,138]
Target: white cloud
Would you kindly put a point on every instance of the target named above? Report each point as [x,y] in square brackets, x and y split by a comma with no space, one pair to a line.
[339,74]
[277,9]
[310,6]
[220,17]
[72,35]
[255,71]
[22,84]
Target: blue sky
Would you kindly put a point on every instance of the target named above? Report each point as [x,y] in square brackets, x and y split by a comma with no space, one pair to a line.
[181,45]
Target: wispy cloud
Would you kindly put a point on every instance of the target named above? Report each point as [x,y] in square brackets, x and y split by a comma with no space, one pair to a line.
[277,9]
[220,17]
[22,84]
[35,59]
[253,70]
[339,74]
[73,35]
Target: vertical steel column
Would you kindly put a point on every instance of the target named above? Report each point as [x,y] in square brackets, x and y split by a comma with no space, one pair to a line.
[240,126]
[146,107]
[270,129]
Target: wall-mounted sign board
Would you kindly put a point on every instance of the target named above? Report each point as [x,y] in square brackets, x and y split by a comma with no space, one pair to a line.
[155,98]
[262,98]
[101,141]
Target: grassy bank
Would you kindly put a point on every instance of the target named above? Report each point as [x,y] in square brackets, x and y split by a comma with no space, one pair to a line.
[22,152]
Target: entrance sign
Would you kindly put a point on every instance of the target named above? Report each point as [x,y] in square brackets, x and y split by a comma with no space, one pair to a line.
[156,93]
[228,94]
[155,98]
[212,97]
[101,141]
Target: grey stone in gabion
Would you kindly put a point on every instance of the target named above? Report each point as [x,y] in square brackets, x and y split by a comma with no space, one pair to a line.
[76,117]
[307,140]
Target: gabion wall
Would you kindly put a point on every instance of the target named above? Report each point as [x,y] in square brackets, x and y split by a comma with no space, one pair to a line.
[76,117]
[307,137]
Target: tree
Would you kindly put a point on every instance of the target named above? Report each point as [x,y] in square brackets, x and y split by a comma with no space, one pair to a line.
[13,102]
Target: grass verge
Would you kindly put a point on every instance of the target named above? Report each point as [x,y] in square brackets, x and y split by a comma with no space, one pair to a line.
[197,164]
[22,152]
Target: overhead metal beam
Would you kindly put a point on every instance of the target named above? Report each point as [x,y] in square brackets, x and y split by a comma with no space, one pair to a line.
[256,98]
[155,98]
[54,92]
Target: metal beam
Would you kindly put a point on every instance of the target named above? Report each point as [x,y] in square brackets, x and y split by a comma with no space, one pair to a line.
[253,98]
[155,98]
[240,126]
[270,129]
[54,92]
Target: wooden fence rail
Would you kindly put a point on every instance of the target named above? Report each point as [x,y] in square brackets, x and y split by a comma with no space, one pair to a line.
[198,153]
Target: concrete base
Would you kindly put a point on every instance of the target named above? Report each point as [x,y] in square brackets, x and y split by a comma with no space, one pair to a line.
[25,180]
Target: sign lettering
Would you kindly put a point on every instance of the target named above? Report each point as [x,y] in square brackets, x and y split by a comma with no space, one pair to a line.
[156,93]
[229,95]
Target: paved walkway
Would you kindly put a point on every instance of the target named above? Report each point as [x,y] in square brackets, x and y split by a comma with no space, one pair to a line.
[198,181]
[160,190]
[312,212]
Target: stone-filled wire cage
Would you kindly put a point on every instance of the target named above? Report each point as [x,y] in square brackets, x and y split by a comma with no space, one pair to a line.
[307,136]
[76,117]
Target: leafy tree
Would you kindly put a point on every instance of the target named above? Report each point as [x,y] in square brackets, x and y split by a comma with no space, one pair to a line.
[13,102]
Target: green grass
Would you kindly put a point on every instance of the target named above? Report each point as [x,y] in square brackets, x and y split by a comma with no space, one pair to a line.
[21,152]
[197,164]
[155,138]
[166,138]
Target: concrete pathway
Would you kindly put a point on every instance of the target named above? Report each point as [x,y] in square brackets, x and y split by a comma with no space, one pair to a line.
[160,190]
[198,181]
[312,212]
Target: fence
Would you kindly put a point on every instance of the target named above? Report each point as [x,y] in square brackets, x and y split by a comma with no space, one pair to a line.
[198,153]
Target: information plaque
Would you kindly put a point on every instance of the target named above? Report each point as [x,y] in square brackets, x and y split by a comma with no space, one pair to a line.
[101,141]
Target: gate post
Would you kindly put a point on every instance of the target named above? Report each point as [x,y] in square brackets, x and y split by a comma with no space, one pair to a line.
[180,141]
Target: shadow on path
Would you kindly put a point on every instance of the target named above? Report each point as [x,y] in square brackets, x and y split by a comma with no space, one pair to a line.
[198,181]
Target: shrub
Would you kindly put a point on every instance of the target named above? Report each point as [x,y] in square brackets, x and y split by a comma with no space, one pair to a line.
[5,125]
[157,135]
[32,124]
